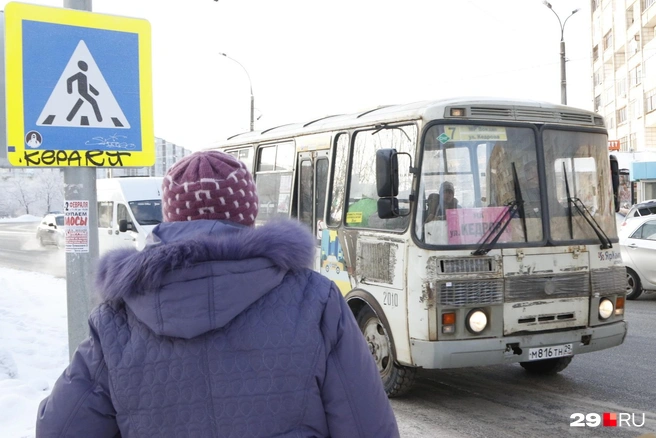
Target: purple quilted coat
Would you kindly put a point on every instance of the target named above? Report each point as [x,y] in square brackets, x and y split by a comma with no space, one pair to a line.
[216,330]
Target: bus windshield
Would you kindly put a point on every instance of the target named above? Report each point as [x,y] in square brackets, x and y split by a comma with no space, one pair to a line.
[471,177]
[482,183]
[577,168]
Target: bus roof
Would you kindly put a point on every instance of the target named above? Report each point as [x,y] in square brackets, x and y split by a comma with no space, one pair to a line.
[477,108]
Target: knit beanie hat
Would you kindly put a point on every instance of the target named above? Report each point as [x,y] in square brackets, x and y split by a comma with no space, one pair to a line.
[209,185]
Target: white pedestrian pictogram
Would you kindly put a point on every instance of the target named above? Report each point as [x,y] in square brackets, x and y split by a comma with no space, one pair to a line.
[82,97]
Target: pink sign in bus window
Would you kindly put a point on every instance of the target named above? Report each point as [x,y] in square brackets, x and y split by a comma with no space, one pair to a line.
[469,225]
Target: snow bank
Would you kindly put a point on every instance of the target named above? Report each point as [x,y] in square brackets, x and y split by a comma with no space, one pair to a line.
[34,340]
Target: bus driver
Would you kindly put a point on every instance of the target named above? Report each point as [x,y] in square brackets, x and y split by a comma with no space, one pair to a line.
[438,204]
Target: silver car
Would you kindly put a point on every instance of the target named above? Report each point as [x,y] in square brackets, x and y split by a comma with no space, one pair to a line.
[644,208]
[638,247]
[51,230]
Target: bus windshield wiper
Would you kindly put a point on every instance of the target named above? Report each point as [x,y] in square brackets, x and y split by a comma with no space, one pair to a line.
[501,223]
[589,218]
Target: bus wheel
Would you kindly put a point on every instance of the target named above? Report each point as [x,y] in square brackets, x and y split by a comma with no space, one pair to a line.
[397,379]
[547,366]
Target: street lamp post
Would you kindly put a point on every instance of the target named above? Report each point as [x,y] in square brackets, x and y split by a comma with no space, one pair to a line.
[251,88]
[563,73]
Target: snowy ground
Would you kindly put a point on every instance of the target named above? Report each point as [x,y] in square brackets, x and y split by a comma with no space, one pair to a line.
[33,346]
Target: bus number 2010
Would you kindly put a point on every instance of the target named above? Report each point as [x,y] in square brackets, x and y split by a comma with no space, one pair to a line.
[390,299]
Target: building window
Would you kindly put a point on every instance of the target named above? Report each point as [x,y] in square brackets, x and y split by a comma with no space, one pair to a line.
[597,78]
[629,17]
[636,108]
[594,5]
[621,116]
[648,3]
[623,145]
[634,45]
[608,40]
[595,53]
[621,87]
[649,66]
[597,104]
[650,101]
[633,143]
[635,76]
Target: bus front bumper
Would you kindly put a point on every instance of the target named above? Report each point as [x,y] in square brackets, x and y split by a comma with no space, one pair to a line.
[511,349]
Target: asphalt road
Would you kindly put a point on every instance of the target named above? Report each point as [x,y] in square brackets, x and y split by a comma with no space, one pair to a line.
[504,401]
[19,249]
[500,401]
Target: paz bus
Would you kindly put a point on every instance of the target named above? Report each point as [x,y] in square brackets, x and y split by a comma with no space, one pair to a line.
[462,232]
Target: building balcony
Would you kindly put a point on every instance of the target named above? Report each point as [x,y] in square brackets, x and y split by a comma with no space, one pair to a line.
[649,14]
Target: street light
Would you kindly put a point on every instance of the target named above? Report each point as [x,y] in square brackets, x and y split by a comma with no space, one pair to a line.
[251,87]
[563,80]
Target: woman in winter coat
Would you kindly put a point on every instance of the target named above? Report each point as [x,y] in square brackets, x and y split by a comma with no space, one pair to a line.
[218,329]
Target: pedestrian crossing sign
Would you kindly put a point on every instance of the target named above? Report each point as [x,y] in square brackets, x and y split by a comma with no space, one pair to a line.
[78,88]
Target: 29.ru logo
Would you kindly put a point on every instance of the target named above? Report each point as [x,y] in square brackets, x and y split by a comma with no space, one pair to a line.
[610,419]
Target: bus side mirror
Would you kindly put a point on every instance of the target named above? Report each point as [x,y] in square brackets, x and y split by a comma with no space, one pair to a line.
[615,180]
[388,208]
[387,173]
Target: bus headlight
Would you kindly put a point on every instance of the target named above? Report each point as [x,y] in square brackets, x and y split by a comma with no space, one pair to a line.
[476,321]
[605,308]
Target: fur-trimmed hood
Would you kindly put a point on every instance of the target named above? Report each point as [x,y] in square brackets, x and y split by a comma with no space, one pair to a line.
[197,276]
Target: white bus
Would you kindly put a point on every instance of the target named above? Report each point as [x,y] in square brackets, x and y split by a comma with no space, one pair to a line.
[523,266]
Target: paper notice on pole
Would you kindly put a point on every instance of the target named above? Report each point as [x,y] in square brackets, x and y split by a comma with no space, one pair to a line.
[76,221]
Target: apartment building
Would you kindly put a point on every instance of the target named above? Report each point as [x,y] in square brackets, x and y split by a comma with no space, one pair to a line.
[624,81]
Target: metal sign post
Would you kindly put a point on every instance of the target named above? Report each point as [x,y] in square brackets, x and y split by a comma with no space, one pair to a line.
[80,184]
[78,96]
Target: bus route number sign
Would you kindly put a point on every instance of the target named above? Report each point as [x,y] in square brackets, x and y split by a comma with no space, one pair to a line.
[475,133]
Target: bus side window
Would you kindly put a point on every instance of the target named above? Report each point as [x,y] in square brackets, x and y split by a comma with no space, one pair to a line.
[363,196]
[338,180]
[273,179]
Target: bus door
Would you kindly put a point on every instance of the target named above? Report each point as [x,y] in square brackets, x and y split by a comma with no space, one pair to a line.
[312,186]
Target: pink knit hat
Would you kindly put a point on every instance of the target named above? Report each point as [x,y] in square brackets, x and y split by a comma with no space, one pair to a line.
[209,185]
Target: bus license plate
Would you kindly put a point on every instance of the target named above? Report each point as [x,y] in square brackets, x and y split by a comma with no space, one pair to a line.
[549,352]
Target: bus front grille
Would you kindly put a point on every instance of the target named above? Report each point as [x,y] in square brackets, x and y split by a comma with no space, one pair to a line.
[466,293]
[465,266]
[537,287]
[609,281]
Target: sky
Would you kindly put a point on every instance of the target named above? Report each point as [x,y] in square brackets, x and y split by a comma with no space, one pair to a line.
[309,59]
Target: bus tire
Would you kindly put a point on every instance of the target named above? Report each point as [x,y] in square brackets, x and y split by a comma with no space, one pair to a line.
[547,366]
[633,285]
[397,379]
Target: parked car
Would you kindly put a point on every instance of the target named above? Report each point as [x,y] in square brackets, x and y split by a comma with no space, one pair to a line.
[638,247]
[644,208]
[51,230]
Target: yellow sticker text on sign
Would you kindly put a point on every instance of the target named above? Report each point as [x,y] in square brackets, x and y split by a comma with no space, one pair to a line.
[78,88]
[354,217]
